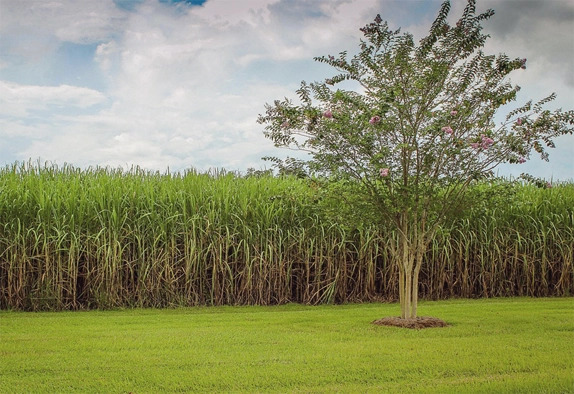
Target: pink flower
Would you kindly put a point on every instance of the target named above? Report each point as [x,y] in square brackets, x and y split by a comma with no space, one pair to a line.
[486,141]
[447,130]
[384,172]
[375,119]
[521,160]
[328,114]
[548,185]
[285,124]
[519,121]
[453,112]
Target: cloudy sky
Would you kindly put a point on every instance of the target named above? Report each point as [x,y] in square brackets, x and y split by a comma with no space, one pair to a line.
[179,84]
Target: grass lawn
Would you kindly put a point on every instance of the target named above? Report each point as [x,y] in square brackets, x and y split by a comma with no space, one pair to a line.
[495,345]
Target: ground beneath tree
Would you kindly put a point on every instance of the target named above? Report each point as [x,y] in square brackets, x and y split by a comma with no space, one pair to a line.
[416,323]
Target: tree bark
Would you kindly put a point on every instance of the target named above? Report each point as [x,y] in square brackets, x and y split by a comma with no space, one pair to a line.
[405,268]
[412,244]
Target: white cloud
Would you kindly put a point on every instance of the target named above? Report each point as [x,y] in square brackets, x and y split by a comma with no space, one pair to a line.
[223,13]
[67,20]
[19,100]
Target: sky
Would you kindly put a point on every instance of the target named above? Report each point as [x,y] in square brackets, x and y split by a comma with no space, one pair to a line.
[178,84]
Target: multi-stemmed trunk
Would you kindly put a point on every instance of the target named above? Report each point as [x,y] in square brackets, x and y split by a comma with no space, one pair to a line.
[409,257]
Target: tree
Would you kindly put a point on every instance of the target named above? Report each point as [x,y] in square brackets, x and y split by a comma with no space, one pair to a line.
[419,129]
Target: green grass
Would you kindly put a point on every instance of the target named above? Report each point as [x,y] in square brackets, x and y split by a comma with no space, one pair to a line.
[495,345]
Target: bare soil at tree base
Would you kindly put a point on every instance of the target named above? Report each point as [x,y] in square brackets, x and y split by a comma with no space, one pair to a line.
[416,323]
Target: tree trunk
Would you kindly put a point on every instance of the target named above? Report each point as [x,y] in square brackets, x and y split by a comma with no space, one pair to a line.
[405,269]
[408,289]
[411,252]
[408,292]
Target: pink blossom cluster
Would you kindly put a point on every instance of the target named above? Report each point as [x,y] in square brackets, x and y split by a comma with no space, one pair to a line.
[519,121]
[485,142]
[328,114]
[521,160]
[448,130]
[375,119]
[453,112]
[384,172]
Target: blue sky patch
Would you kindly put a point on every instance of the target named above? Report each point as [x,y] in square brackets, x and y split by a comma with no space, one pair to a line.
[188,2]
[128,5]
[74,65]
